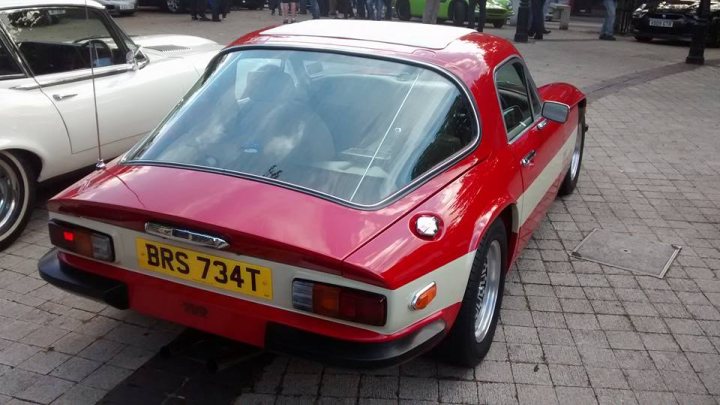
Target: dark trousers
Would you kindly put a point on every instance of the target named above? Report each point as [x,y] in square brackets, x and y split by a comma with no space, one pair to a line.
[219,7]
[471,14]
[197,8]
[537,25]
[361,9]
[388,9]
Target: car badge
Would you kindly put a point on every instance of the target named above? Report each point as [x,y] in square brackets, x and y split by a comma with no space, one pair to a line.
[184,235]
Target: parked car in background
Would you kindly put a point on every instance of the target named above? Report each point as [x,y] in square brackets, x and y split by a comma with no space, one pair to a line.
[119,7]
[349,191]
[181,6]
[49,51]
[497,11]
[172,6]
[674,19]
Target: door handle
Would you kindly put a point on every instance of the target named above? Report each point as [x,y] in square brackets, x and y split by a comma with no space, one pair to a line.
[528,159]
[541,125]
[61,97]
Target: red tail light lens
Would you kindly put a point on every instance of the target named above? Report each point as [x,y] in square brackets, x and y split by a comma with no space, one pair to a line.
[82,241]
[340,302]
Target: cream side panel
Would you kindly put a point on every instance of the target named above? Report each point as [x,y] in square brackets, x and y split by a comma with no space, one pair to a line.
[450,278]
[29,121]
[532,196]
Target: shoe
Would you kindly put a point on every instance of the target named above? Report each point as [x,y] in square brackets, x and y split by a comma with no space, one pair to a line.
[285,21]
[193,18]
[531,33]
[606,37]
[546,32]
[203,18]
[272,12]
[538,36]
[224,16]
[216,20]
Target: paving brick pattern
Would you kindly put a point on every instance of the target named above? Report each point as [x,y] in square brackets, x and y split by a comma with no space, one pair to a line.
[571,332]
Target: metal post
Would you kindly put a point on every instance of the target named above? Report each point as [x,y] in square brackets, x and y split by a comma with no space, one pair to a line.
[696,56]
[521,34]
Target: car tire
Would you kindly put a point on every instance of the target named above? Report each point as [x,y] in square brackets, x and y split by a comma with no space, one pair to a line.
[498,24]
[643,38]
[470,337]
[573,174]
[403,10]
[459,12]
[17,196]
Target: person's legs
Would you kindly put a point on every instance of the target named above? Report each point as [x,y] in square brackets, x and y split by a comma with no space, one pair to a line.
[472,4]
[293,10]
[537,19]
[332,8]
[379,9]
[361,12]
[609,23]
[388,9]
[314,9]
[284,10]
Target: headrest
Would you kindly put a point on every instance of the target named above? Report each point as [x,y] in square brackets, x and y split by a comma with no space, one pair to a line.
[269,83]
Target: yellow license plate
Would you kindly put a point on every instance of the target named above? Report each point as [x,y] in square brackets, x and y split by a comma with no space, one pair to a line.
[199,267]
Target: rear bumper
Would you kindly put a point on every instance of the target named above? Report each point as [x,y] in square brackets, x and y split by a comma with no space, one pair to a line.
[211,317]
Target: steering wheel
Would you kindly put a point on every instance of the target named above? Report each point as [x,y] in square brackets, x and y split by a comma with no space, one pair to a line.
[97,43]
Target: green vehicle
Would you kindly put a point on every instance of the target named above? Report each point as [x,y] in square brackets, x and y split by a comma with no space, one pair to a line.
[497,11]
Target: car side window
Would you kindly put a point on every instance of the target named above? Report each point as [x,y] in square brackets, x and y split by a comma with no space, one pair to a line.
[8,68]
[57,40]
[514,100]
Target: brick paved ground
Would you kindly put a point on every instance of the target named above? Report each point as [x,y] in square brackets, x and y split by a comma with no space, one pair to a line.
[572,332]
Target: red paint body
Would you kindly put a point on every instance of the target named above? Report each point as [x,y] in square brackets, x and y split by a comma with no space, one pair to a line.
[286,226]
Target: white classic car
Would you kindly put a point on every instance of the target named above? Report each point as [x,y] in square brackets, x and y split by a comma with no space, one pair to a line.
[49,51]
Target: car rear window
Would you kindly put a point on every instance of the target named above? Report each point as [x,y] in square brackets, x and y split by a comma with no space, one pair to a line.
[352,128]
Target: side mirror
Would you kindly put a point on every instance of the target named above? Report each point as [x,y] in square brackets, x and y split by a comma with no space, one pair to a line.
[131,57]
[557,112]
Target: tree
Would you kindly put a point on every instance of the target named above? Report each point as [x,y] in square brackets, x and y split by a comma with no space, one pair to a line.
[431,11]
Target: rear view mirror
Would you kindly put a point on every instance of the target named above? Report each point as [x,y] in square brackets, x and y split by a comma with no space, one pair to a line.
[557,112]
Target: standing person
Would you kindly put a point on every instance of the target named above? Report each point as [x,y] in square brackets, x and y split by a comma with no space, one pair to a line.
[197,10]
[284,6]
[482,17]
[361,9]
[388,9]
[273,5]
[608,26]
[377,9]
[332,8]
[537,27]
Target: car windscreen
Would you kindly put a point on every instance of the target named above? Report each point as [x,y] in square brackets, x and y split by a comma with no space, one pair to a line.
[353,128]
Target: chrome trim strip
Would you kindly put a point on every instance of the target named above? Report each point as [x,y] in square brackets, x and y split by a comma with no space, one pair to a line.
[184,235]
[84,74]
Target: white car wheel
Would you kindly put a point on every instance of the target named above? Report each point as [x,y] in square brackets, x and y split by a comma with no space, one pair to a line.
[17,193]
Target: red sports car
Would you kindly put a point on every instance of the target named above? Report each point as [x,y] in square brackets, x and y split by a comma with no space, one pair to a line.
[349,191]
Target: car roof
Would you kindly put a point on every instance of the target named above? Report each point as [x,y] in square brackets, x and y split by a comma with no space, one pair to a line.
[8,4]
[407,34]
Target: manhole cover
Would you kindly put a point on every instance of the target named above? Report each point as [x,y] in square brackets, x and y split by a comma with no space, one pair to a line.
[627,252]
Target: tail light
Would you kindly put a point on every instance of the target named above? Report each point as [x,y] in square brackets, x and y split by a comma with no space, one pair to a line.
[340,302]
[82,241]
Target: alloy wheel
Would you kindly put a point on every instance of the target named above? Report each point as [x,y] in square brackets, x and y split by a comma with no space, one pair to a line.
[10,196]
[575,162]
[488,290]
[173,6]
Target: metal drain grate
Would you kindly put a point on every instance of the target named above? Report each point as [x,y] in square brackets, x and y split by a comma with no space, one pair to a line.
[626,252]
